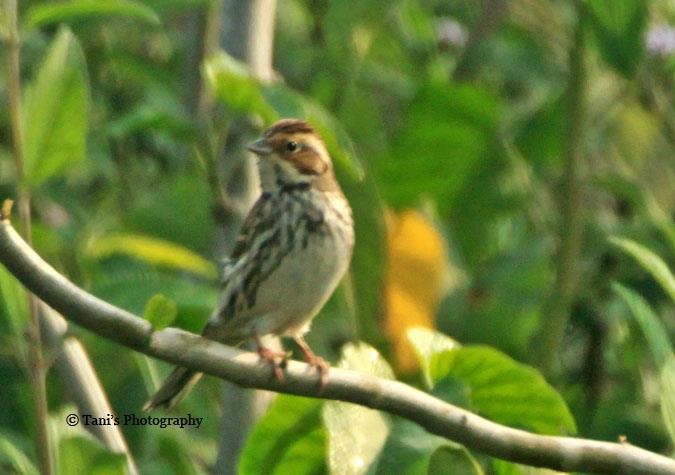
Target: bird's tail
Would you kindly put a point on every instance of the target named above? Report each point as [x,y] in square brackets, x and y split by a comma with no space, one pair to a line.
[174,388]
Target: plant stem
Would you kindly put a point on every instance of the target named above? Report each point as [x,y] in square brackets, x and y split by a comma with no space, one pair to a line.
[556,312]
[37,368]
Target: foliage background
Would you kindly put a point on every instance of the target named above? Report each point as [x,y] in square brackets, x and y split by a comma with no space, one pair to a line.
[454,127]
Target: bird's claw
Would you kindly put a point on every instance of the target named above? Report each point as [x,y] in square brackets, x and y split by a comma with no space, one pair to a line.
[271,356]
[321,366]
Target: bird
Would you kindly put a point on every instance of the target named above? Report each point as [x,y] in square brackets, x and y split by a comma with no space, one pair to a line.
[293,249]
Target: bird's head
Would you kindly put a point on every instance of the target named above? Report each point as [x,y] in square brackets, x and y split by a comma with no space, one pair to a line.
[292,152]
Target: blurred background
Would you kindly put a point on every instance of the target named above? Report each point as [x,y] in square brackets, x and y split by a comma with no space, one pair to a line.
[510,167]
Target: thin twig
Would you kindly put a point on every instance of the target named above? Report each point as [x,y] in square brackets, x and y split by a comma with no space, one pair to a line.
[37,365]
[245,368]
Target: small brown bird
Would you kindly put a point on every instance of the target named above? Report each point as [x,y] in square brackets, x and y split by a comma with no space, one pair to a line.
[293,250]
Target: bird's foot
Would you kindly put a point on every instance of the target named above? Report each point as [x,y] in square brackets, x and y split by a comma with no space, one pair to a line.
[314,361]
[321,366]
[272,356]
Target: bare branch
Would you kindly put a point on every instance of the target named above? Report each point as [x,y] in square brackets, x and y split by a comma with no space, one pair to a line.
[245,368]
[83,385]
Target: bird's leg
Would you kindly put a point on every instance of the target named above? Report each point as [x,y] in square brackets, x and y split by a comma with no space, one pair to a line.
[271,356]
[316,361]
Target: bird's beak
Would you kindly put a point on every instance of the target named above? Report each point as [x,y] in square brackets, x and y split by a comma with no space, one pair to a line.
[260,147]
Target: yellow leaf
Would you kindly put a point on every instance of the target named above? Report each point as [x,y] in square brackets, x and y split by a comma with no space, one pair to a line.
[155,251]
[414,284]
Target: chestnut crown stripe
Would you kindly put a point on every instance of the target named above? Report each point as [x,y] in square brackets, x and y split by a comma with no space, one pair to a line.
[290,126]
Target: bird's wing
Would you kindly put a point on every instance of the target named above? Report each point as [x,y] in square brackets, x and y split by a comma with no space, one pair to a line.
[257,221]
[254,223]
[251,227]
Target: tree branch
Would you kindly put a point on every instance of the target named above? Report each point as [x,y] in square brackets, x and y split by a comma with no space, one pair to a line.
[246,369]
[81,381]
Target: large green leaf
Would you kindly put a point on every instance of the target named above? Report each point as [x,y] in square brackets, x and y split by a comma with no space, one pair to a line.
[654,331]
[650,262]
[668,396]
[356,434]
[48,13]
[508,392]
[56,106]
[500,388]
[619,27]
[449,133]
[289,438]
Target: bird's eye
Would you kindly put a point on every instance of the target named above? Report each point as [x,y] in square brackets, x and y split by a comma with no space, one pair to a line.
[292,146]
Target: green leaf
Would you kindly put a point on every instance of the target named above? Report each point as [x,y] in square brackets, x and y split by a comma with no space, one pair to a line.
[619,27]
[509,392]
[655,333]
[428,345]
[152,250]
[500,388]
[356,434]
[650,262]
[160,311]
[74,10]
[12,458]
[232,83]
[668,396]
[56,106]
[409,450]
[449,127]
[448,460]
[291,426]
